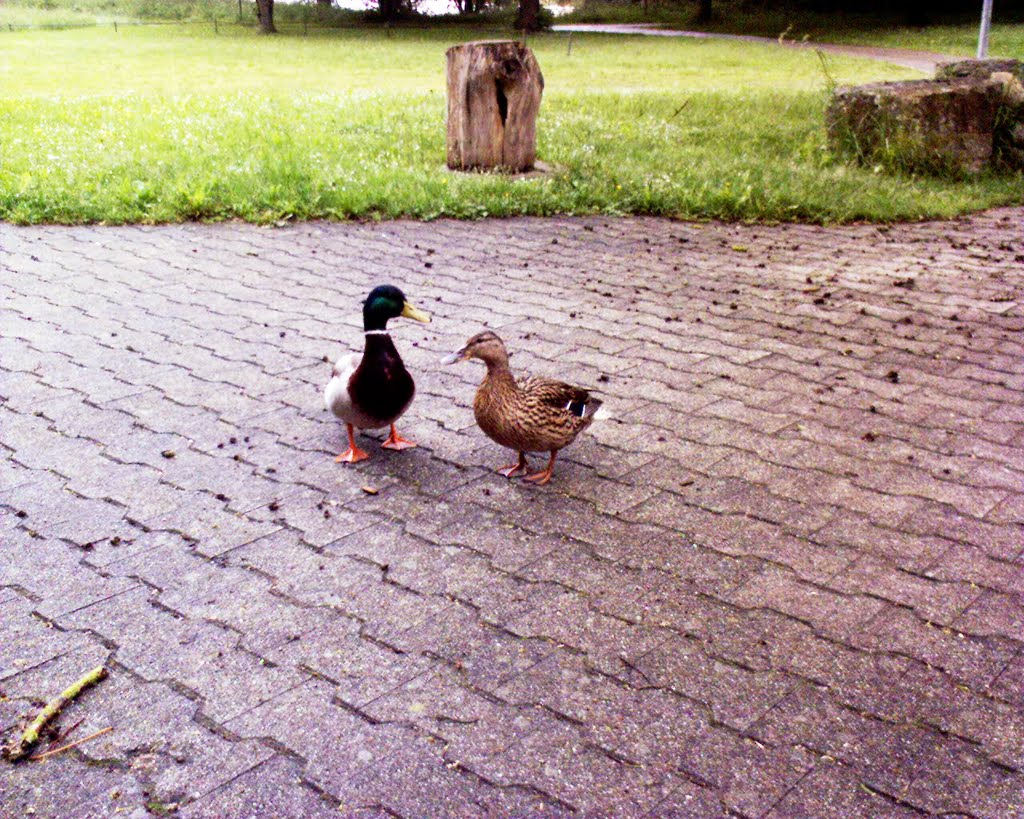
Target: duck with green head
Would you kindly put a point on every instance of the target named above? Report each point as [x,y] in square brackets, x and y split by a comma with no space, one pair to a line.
[372,390]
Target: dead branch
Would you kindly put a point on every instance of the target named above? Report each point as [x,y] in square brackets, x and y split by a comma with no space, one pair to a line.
[70,745]
[65,734]
[30,737]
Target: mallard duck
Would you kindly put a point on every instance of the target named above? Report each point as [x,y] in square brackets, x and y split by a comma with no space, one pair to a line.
[531,415]
[372,390]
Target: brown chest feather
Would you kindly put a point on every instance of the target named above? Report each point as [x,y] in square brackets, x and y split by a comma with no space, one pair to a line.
[381,386]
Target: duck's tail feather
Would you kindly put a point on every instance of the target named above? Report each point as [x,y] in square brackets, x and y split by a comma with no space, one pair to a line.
[588,411]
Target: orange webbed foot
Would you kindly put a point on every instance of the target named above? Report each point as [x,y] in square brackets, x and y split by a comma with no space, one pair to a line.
[352,455]
[397,442]
[541,478]
[514,469]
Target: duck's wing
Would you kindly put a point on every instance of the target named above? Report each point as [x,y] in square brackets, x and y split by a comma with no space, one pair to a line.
[346,365]
[548,394]
[555,409]
[336,396]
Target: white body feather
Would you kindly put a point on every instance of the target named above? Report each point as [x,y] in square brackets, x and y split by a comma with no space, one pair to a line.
[337,398]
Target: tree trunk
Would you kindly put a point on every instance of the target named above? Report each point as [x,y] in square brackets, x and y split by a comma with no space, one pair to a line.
[389,9]
[494,91]
[528,18]
[704,11]
[265,13]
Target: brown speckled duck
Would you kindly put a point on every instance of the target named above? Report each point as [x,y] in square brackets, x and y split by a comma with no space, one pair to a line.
[531,415]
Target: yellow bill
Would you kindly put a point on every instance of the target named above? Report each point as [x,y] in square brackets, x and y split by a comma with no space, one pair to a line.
[414,313]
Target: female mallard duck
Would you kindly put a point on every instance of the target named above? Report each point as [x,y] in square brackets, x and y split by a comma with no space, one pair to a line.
[372,390]
[533,415]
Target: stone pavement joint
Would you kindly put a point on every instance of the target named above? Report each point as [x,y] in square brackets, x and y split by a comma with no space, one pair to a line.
[783,578]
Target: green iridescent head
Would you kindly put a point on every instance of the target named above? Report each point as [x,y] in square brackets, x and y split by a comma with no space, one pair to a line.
[388,302]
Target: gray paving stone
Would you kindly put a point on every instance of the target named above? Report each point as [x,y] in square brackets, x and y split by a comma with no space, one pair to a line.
[361,670]
[215,530]
[64,787]
[433,700]
[689,799]
[782,579]
[831,789]
[180,757]
[336,744]
[316,516]
[272,788]
[488,656]
[417,781]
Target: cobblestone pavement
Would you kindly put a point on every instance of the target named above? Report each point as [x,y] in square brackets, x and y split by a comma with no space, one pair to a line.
[784,579]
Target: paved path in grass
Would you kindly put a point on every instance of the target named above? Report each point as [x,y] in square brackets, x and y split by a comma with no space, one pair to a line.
[924,61]
[785,579]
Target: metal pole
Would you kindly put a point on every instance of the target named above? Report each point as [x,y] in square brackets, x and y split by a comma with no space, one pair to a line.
[986,24]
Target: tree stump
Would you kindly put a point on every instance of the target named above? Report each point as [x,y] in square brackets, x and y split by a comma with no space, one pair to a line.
[494,91]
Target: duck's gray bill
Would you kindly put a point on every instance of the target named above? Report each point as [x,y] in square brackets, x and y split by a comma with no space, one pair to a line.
[451,359]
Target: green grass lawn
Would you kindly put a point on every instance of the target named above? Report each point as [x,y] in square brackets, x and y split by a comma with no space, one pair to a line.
[167,123]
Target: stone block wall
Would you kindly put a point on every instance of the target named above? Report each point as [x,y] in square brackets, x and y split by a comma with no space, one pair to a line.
[969,118]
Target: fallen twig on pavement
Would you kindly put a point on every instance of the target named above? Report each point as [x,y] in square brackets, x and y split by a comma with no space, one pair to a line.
[30,737]
[65,734]
[77,742]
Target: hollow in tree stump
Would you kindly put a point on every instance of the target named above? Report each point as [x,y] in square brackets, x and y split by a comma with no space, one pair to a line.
[494,91]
